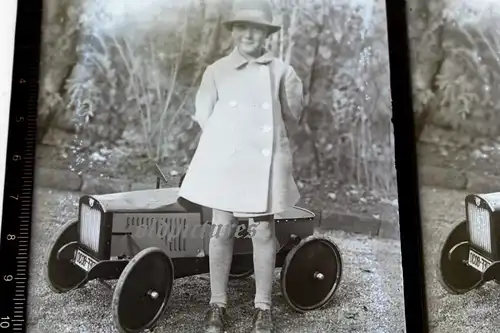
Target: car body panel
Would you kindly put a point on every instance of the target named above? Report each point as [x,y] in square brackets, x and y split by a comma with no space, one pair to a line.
[179,234]
[159,218]
[492,199]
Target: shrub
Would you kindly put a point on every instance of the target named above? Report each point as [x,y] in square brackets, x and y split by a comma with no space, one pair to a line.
[137,85]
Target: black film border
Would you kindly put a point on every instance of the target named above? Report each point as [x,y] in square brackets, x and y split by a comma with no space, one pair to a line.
[19,169]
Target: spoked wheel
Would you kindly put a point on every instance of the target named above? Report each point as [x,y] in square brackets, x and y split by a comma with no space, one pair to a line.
[143,291]
[60,274]
[311,274]
[455,276]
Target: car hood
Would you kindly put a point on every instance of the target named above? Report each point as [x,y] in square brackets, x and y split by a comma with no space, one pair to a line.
[154,199]
[295,213]
[167,199]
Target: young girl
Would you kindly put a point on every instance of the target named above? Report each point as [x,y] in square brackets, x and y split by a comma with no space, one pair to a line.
[243,164]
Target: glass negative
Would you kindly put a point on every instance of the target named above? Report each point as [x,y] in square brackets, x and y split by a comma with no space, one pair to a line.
[130,94]
[455,47]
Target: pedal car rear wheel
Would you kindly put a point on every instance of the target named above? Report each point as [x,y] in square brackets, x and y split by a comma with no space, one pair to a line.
[311,274]
[239,275]
[60,274]
[241,268]
[143,291]
[455,276]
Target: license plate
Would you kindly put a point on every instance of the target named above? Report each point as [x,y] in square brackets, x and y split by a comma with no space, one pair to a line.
[84,261]
[478,262]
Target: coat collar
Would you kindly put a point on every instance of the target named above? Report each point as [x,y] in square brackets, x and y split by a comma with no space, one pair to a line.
[239,61]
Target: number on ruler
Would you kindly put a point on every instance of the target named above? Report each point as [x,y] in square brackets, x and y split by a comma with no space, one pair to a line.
[16,158]
[11,237]
[19,119]
[5,322]
[8,278]
[15,197]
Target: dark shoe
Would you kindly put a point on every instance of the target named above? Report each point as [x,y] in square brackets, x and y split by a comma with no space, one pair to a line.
[262,321]
[215,319]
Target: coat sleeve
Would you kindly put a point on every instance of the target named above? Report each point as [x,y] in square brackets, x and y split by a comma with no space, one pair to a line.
[292,95]
[206,97]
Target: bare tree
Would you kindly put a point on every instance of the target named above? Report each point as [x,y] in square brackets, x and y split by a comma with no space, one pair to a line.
[426,28]
[59,56]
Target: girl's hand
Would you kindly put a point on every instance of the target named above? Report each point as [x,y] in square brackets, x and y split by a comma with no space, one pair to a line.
[206,97]
[292,95]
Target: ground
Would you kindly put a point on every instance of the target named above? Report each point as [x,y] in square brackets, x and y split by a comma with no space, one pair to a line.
[476,311]
[369,299]
[459,151]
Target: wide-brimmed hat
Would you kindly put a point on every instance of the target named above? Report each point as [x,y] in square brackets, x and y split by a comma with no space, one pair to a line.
[252,11]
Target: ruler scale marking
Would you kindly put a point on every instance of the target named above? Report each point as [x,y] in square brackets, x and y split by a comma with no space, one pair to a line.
[19,169]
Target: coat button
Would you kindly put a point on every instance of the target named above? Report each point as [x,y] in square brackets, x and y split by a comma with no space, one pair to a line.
[266,152]
[265,106]
[233,103]
[266,128]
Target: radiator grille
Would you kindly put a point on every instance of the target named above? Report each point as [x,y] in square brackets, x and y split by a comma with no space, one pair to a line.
[479,227]
[90,227]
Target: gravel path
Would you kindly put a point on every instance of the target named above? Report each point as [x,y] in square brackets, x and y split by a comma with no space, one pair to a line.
[370,298]
[476,311]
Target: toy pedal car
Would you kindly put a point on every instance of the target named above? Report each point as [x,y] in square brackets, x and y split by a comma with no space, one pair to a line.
[470,254]
[132,237]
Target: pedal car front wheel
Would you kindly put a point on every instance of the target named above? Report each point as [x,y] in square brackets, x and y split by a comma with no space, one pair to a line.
[456,277]
[311,274]
[60,274]
[143,291]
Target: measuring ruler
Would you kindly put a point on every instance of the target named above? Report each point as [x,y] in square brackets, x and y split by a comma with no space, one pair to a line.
[19,169]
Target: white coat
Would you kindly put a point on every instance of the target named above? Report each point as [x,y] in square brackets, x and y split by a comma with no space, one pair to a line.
[243,162]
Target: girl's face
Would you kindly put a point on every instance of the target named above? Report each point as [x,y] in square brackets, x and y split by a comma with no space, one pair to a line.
[249,38]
